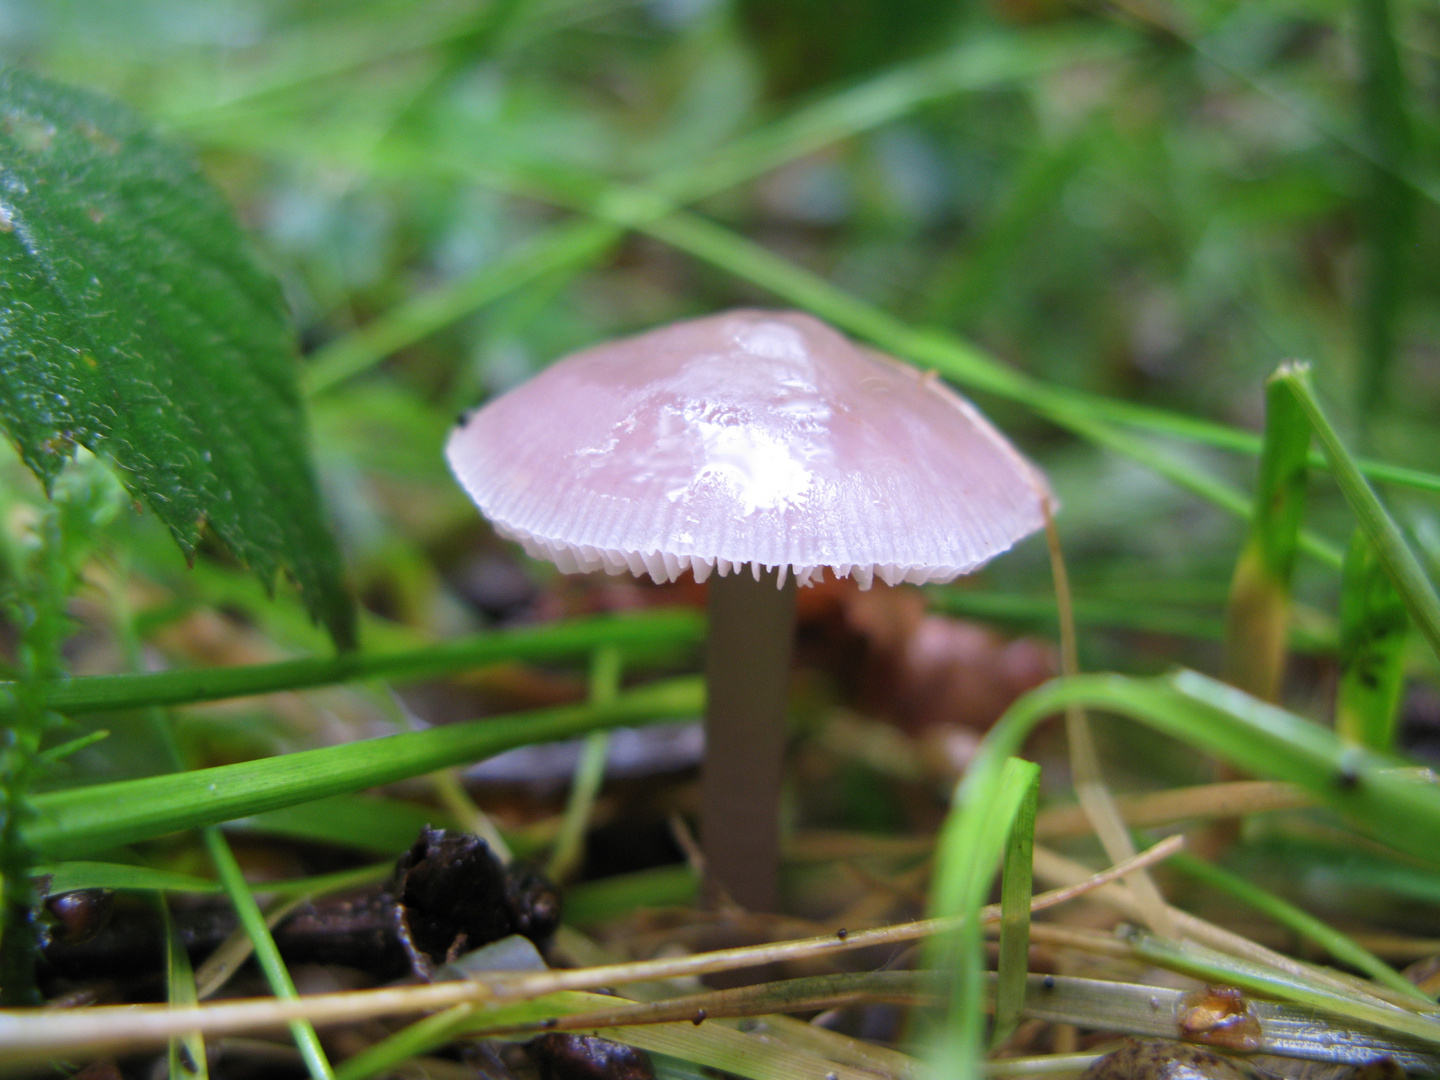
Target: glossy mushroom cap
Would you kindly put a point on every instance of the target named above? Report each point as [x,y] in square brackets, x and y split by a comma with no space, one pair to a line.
[748,437]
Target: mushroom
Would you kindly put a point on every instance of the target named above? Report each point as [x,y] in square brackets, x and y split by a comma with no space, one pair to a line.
[762,447]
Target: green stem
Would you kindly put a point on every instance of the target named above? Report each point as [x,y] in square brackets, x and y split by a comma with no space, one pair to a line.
[39,611]
[267,954]
[1391,551]
[605,668]
[80,822]
[653,630]
[1257,619]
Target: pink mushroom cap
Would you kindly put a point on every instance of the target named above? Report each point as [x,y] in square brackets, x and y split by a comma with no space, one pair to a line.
[752,437]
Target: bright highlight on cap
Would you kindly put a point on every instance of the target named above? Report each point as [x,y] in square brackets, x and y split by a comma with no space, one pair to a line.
[750,437]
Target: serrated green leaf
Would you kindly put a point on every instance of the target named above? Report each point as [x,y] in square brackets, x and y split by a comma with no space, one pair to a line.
[135,322]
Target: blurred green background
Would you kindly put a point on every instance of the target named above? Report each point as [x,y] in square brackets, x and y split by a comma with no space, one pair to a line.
[1146,201]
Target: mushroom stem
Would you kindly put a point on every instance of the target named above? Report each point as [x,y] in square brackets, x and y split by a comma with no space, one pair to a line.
[747,669]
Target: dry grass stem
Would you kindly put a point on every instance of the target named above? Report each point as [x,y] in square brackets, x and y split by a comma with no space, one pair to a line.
[35,1034]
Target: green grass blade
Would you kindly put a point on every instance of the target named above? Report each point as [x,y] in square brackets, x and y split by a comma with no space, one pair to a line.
[1015,889]
[987,804]
[1374,627]
[1258,615]
[80,874]
[965,281]
[55,754]
[727,1050]
[605,667]
[1367,788]
[410,1041]
[363,822]
[592,903]
[1388,206]
[714,1043]
[1226,970]
[317,51]
[1340,946]
[83,821]
[980,61]
[1038,613]
[1211,716]
[188,1060]
[267,953]
[1391,551]
[576,245]
[640,633]
[975,64]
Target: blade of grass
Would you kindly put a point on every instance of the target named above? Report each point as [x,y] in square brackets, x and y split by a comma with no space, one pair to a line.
[1352,867]
[1229,799]
[1338,945]
[316,53]
[977,63]
[985,808]
[1391,551]
[1055,868]
[1124,1007]
[964,281]
[230,955]
[846,1049]
[363,822]
[575,246]
[81,821]
[1151,1010]
[450,789]
[605,667]
[1363,786]
[35,1034]
[1388,206]
[1219,969]
[409,1042]
[79,874]
[267,954]
[685,1028]
[1015,889]
[187,1052]
[1038,612]
[1089,781]
[58,753]
[638,634]
[1374,627]
[1257,618]
[569,1012]
[730,1051]
[592,903]
[1225,721]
